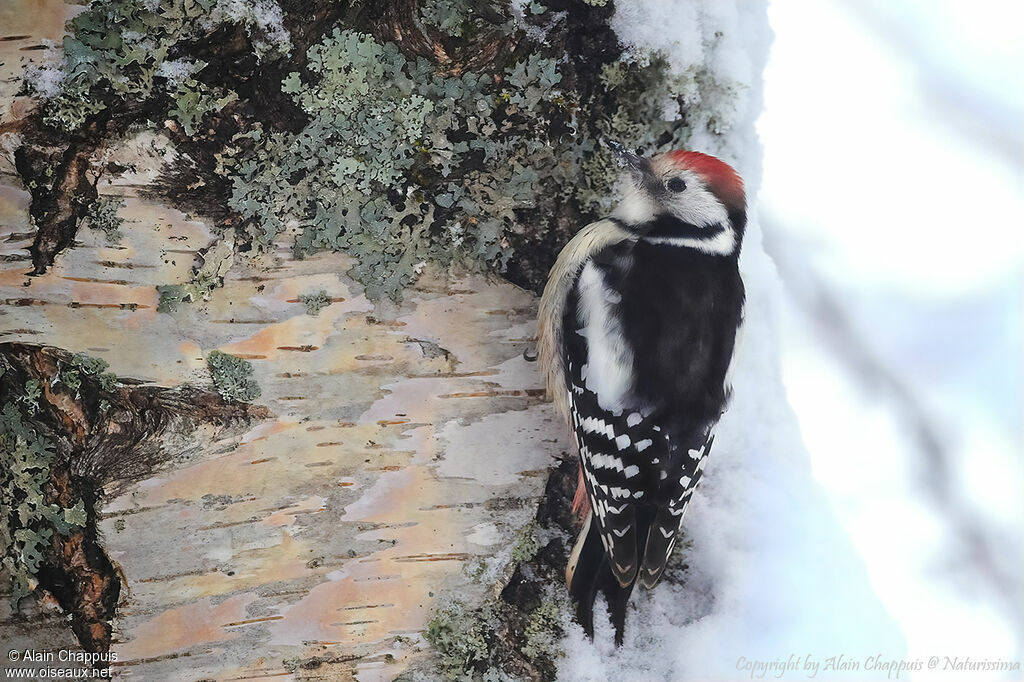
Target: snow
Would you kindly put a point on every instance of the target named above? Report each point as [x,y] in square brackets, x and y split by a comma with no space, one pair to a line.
[264,14]
[725,40]
[46,76]
[177,70]
[772,574]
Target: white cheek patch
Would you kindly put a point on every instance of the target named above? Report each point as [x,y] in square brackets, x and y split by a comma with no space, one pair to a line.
[609,356]
[696,205]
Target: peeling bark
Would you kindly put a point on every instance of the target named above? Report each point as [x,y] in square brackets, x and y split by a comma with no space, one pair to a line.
[128,440]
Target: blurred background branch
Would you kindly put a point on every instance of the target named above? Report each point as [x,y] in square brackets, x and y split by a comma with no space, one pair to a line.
[823,308]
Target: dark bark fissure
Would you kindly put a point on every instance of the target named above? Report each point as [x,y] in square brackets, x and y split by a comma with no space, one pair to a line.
[398,22]
[56,176]
[107,434]
[587,42]
[80,575]
[526,589]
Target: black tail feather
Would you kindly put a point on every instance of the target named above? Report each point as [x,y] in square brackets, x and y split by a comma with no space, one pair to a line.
[588,561]
[592,575]
[617,596]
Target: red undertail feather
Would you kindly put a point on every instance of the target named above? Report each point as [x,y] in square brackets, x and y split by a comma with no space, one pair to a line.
[581,503]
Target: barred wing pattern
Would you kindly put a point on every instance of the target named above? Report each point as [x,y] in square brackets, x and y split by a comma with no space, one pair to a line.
[639,480]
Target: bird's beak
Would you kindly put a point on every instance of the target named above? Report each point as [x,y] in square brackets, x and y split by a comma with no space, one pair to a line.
[633,162]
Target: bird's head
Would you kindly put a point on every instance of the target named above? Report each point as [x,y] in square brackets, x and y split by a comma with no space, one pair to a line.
[683,198]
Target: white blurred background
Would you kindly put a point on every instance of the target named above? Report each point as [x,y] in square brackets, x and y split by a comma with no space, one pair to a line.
[892,202]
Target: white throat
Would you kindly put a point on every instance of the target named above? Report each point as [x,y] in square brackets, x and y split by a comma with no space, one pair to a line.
[636,207]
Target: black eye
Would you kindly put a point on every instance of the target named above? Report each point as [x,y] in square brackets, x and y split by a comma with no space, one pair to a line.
[676,184]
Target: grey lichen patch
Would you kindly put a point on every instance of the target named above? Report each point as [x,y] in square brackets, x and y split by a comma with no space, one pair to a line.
[544,630]
[498,640]
[193,99]
[460,638]
[448,16]
[170,296]
[232,377]
[104,215]
[83,365]
[315,301]
[33,391]
[527,543]
[401,164]
[373,172]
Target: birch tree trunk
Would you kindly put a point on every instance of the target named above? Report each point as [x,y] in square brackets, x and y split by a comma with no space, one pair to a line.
[395,500]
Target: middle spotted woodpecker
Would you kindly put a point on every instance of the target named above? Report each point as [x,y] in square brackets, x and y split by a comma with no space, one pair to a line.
[637,327]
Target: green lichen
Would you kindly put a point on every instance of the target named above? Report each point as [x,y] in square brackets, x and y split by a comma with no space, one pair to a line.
[613,74]
[193,99]
[448,16]
[30,398]
[315,301]
[96,368]
[232,377]
[28,519]
[399,165]
[70,375]
[103,215]
[469,642]
[170,296]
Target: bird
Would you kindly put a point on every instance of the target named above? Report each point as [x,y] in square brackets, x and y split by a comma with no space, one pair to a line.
[637,327]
